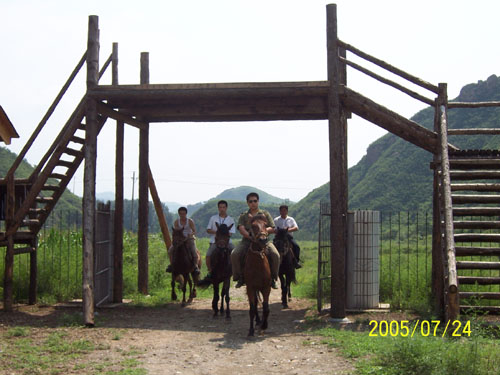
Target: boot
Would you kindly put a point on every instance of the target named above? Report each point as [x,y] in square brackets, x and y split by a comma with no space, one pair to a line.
[296,264]
[240,283]
[196,271]
[273,284]
[169,268]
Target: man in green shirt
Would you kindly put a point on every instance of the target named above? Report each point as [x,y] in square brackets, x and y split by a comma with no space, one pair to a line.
[238,254]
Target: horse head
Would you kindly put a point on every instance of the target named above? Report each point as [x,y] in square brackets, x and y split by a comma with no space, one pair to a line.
[281,234]
[178,237]
[258,232]
[222,235]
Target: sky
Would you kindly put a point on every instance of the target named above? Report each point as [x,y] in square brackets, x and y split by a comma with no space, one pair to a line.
[233,41]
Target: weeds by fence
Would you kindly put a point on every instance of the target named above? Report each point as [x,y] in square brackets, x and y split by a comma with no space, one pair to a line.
[405,261]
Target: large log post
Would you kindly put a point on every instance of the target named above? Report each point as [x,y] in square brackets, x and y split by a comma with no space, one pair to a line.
[89,176]
[142,232]
[337,125]
[8,281]
[159,211]
[118,222]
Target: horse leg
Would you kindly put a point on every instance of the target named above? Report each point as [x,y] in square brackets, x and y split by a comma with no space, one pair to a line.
[215,299]
[226,294]
[253,313]
[265,313]
[257,317]
[172,284]
[284,283]
[184,293]
[191,289]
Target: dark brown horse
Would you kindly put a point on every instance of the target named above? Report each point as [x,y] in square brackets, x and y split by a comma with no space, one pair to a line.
[182,267]
[257,273]
[221,270]
[287,267]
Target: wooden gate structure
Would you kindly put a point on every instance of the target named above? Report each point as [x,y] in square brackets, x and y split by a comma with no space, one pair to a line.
[145,103]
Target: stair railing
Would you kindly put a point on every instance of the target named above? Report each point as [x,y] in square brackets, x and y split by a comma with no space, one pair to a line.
[45,118]
[451,297]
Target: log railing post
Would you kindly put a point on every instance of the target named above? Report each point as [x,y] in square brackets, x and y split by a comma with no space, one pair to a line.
[338,170]
[89,178]
[142,232]
[118,221]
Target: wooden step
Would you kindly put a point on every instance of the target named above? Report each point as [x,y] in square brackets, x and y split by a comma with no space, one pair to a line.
[477,237]
[73,152]
[477,251]
[44,199]
[474,153]
[477,265]
[82,127]
[59,176]
[474,198]
[36,211]
[29,222]
[491,187]
[475,163]
[476,211]
[480,295]
[474,175]
[470,224]
[76,139]
[65,163]
[491,309]
[23,250]
[480,280]
[50,187]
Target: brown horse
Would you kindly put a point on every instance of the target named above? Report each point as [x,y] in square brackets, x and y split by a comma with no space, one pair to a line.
[257,273]
[182,267]
[287,268]
[221,270]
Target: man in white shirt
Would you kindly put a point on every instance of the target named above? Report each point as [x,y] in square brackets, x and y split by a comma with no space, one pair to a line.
[222,218]
[284,221]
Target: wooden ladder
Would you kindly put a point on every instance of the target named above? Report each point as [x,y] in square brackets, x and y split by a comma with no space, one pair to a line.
[475,186]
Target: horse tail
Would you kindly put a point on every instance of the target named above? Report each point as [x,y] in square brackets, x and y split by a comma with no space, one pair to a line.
[204,284]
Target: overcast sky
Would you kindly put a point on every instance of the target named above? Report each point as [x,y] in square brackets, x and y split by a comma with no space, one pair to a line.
[234,41]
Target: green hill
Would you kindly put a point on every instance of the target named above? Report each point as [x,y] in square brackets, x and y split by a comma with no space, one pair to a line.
[240,193]
[234,209]
[394,175]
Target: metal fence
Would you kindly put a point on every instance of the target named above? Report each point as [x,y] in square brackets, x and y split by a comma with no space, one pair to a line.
[404,258]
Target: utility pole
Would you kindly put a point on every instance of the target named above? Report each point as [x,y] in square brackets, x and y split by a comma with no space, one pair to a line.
[132,206]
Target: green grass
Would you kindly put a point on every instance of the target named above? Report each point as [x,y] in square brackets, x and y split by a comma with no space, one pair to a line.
[474,355]
[59,351]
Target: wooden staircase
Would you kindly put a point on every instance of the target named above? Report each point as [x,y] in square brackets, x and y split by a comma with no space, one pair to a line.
[475,186]
[49,184]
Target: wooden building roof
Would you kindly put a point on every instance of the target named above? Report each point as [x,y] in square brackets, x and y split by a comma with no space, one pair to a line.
[7,131]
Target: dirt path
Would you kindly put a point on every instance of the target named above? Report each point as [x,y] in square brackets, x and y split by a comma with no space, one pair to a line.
[191,341]
[176,340]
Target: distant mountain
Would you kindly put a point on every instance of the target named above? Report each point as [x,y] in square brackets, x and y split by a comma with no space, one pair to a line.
[395,175]
[240,194]
[234,209]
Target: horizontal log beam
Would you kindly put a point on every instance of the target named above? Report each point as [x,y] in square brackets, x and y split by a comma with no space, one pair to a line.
[477,250]
[473,104]
[473,131]
[476,187]
[478,265]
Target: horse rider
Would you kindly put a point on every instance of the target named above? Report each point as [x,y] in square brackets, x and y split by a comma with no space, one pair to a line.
[287,222]
[239,252]
[222,218]
[189,231]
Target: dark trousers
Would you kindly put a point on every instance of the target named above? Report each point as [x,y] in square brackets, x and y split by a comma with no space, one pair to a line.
[295,246]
